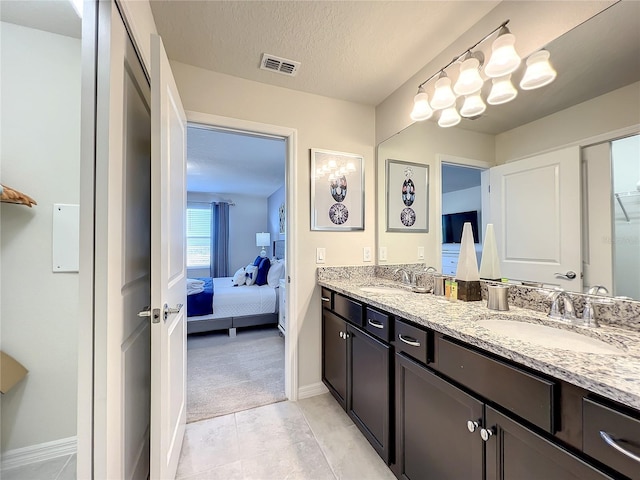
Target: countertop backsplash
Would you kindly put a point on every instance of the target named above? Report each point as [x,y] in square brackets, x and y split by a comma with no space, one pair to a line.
[616,312]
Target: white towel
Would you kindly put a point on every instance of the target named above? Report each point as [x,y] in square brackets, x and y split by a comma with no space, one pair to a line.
[194,290]
[194,282]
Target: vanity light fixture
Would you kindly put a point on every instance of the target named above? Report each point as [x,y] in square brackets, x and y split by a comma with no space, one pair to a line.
[539,71]
[473,73]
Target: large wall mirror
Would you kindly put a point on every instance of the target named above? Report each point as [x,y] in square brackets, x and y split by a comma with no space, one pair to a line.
[588,118]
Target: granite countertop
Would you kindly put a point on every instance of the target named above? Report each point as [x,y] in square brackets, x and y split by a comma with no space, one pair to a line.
[614,376]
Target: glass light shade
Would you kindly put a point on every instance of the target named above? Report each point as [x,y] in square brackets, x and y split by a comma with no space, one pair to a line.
[504,58]
[502,91]
[449,117]
[469,80]
[421,109]
[539,71]
[473,105]
[443,97]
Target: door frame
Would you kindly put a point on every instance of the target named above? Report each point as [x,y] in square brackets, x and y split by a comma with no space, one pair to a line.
[453,160]
[291,231]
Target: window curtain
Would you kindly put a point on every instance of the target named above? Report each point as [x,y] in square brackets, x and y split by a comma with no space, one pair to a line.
[219,266]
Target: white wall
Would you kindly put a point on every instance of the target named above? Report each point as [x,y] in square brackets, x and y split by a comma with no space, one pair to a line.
[321,122]
[275,200]
[247,217]
[40,156]
[423,143]
[462,201]
[613,111]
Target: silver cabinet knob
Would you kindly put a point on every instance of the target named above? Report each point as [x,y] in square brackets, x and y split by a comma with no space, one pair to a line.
[341,334]
[472,425]
[486,433]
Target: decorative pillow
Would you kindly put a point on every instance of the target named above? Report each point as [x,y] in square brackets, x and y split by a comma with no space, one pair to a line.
[251,274]
[239,277]
[257,261]
[276,272]
[263,270]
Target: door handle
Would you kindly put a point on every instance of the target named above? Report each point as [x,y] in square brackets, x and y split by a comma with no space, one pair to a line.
[145,312]
[570,275]
[171,310]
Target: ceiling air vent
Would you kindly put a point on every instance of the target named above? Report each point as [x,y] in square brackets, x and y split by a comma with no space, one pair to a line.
[280,65]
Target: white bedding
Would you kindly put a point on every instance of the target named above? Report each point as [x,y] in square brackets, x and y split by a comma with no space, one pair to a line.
[230,301]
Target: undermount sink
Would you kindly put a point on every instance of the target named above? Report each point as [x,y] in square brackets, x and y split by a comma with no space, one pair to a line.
[550,337]
[383,290]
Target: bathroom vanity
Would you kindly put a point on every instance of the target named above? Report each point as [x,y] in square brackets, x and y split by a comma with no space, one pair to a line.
[439,395]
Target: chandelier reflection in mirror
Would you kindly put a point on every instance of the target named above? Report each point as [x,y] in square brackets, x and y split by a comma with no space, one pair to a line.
[473,73]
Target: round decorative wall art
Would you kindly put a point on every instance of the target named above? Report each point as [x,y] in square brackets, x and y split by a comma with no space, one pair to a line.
[338,214]
[408,217]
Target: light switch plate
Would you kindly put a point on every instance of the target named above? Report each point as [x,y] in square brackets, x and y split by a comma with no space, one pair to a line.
[383,254]
[420,253]
[366,254]
[320,255]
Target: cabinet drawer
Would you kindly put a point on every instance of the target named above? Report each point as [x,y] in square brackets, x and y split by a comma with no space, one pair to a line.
[621,428]
[412,341]
[528,396]
[327,298]
[378,324]
[348,309]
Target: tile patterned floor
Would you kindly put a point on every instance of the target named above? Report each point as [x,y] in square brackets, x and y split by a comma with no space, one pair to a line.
[312,439]
[306,440]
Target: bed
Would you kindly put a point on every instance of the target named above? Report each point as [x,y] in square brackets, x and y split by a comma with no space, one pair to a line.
[222,306]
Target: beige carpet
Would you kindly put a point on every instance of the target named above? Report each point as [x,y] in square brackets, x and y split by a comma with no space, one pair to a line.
[230,374]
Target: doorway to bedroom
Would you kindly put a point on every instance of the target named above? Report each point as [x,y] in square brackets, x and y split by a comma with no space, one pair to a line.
[236,193]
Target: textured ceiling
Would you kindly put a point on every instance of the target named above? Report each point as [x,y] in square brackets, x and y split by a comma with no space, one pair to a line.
[360,51]
[221,161]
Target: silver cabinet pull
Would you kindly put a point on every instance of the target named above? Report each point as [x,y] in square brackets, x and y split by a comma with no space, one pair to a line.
[570,275]
[613,444]
[171,310]
[486,433]
[409,340]
[325,299]
[374,323]
[472,425]
[145,312]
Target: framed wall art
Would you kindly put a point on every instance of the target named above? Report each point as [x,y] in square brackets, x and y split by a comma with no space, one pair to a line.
[337,191]
[407,197]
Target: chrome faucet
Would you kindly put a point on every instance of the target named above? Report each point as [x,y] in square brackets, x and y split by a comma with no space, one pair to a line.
[430,270]
[568,313]
[408,278]
[589,314]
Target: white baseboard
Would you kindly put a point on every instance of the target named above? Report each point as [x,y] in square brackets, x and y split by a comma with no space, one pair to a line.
[312,390]
[20,457]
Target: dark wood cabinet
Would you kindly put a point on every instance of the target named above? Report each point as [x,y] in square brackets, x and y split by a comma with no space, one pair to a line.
[334,355]
[434,420]
[516,453]
[356,369]
[370,393]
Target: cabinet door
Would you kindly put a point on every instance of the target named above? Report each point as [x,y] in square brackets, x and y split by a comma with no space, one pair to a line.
[334,355]
[517,453]
[432,437]
[369,399]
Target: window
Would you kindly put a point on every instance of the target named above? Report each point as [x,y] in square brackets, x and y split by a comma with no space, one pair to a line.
[198,235]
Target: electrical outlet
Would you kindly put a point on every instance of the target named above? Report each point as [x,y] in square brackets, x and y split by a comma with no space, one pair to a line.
[383,254]
[420,253]
[366,254]
[320,255]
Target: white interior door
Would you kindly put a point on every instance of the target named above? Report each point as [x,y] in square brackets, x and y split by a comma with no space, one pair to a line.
[168,267]
[535,209]
[121,256]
